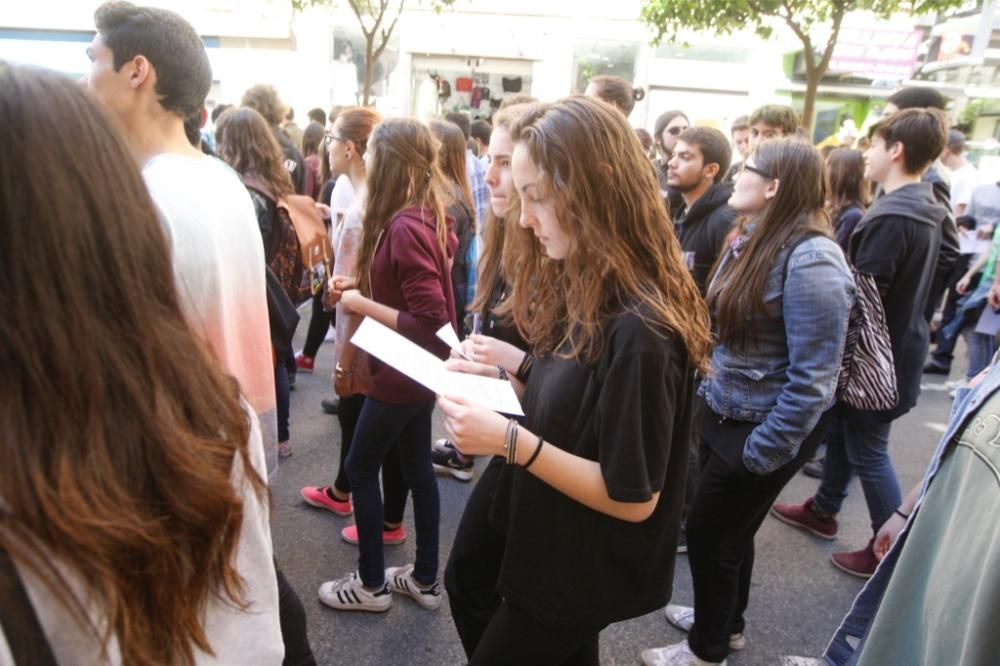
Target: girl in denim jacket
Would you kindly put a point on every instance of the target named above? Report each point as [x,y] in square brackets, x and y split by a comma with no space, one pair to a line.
[780,299]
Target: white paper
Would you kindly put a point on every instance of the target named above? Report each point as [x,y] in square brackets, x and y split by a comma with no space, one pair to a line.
[447,334]
[425,368]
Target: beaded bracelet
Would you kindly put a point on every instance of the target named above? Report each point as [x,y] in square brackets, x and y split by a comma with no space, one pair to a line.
[501,373]
[511,446]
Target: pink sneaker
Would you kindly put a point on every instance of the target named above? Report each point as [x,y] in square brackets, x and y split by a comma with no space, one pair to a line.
[305,363]
[318,497]
[389,537]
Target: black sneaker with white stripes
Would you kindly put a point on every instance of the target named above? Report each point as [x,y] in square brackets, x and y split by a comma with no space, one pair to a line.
[400,579]
[349,593]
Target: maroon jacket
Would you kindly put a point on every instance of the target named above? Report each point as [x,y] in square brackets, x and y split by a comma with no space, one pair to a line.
[410,274]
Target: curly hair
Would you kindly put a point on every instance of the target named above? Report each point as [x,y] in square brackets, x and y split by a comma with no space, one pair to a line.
[265,100]
[623,254]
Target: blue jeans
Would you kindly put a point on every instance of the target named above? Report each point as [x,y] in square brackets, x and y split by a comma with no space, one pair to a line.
[380,426]
[981,350]
[861,448]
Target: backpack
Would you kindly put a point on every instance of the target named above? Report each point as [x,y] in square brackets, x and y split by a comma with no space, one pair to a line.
[867,379]
[314,240]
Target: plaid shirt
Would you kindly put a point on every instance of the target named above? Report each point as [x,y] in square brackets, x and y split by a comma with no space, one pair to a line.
[477,182]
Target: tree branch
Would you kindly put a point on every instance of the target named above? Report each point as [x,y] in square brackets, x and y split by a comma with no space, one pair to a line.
[387,33]
[838,18]
[803,36]
[361,20]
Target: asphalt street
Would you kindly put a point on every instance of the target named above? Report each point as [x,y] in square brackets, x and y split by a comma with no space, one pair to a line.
[797,600]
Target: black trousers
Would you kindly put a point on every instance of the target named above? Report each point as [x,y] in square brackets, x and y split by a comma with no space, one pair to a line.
[493,631]
[319,324]
[394,488]
[292,617]
[729,506]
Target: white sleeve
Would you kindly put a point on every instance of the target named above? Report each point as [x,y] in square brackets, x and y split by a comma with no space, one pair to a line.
[343,195]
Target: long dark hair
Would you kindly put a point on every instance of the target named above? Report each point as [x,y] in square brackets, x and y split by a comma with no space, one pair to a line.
[120,432]
[246,143]
[848,185]
[798,208]
[404,173]
[452,157]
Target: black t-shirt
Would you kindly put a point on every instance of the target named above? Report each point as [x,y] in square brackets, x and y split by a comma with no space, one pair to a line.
[569,565]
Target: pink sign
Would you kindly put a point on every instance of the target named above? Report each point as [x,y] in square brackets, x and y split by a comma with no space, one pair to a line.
[876,52]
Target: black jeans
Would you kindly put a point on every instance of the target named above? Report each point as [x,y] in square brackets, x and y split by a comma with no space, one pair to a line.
[319,324]
[292,617]
[381,426]
[474,563]
[394,488]
[494,631]
[515,637]
[729,506]
[282,394]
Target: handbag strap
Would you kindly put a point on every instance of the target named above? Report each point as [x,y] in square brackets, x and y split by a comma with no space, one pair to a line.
[25,637]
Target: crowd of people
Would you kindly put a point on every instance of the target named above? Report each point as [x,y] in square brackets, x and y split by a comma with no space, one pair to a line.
[684,332]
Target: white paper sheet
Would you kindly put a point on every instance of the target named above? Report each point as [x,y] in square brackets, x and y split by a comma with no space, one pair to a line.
[425,368]
[447,334]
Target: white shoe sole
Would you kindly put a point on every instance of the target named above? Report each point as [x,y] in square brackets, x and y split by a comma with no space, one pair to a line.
[403,583]
[341,600]
[460,474]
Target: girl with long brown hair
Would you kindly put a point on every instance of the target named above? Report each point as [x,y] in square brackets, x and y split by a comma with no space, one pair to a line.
[403,282]
[780,299]
[136,510]
[617,328]
[246,143]
[348,142]
[461,209]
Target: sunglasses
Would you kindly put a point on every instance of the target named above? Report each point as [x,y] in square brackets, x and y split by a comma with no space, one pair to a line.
[759,172]
[675,130]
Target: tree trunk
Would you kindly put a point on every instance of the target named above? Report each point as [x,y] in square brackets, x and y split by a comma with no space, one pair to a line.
[369,69]
[813,77]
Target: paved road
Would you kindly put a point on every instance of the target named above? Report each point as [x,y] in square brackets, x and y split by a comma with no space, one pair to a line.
[797,600]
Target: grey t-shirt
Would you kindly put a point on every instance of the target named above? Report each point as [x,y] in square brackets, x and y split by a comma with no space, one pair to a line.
[943,600]
[985,204]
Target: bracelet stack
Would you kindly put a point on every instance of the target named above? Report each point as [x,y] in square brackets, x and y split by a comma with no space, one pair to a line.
[524,369]
[502,374]
[510,442]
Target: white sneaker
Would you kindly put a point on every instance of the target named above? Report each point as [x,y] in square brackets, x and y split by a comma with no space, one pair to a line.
[400,579]
[349,593]
[682,617]
[678,654]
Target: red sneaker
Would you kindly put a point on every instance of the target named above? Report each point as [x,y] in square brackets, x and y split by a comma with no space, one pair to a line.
[861,563]
[803,516]
[389,537]
[305,363]
[319,497]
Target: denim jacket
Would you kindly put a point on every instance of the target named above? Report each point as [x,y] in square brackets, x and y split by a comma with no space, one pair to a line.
[787,377]
[847,643]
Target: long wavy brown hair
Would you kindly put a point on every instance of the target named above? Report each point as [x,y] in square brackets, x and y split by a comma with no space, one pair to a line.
[623,255]
[452,157]
[246,143]
[118,433]
[498,258]
[404,173]
[736,292]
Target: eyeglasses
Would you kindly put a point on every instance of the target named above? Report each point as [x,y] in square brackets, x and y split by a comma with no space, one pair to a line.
[330,137]
[675,130]
[759,172]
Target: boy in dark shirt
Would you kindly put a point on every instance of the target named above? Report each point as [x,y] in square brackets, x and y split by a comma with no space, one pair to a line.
[897,242]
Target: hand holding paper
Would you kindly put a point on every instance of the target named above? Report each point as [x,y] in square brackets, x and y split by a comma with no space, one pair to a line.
[420,365]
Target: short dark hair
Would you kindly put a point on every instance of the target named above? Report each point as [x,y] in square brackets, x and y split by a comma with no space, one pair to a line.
[923,133]
[777,115]
[480,129]
[168,42]
[917,98]
[219,110]
[714,147]
[956,141]
[264,100]
[462,121]
[741,123]
[317,115]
